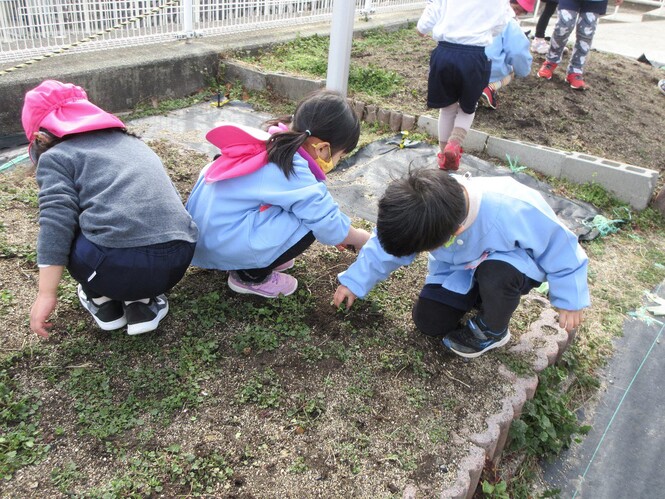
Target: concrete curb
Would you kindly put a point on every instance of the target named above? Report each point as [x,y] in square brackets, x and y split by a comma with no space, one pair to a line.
[488,445]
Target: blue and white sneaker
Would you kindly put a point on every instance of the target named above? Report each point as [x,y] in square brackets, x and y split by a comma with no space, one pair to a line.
[108,315]
[471,341]
[145,317]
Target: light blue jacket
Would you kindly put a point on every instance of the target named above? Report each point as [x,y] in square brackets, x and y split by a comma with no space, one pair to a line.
[514,224]
[509,52]
[248,222]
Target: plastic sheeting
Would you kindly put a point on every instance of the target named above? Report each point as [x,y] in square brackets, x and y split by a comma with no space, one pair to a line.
[359,181]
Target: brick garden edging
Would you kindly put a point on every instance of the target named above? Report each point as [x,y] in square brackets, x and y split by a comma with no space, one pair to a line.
[489,444]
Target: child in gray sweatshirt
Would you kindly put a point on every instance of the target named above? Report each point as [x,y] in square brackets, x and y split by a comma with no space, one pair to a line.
[108,212]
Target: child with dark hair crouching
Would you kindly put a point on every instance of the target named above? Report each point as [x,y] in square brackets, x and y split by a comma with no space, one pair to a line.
[490,241]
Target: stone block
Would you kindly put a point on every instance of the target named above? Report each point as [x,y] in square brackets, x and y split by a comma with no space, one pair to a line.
[632,184]
[383,117]
[370,114]
[395,121]
[408,122]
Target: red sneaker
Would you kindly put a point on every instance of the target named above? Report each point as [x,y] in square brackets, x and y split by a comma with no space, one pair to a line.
[450,158]
[546,70]
[576,81]
[489,96]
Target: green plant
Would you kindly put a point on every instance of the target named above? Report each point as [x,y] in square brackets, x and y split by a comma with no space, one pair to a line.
[262,389]
[547,424]
[20,437]
[495,491]
[65,476]
[306,409]
[298,465]
[146,473]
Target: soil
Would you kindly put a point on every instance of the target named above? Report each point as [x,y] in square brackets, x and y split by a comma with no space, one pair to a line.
[618,118]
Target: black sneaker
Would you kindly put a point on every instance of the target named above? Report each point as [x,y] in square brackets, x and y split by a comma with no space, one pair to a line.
[471,341]
[144,317]
[109,315]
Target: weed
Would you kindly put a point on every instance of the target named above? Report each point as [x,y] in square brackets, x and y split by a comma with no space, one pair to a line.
[262,389]
[255,338]
[66,476]
[495,491]
[416,397]
[547,425]
[306,409]
[147,473]
[298,465]
[20,437]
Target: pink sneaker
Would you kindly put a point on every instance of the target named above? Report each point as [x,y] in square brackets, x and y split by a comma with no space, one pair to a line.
[275,285]
[286,265]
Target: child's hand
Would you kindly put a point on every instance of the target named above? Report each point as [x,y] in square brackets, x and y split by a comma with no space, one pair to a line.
[343,294]
[39,313]
[570,319]
[347,247]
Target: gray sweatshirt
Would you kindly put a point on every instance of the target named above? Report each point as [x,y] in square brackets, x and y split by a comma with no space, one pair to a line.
[114,188]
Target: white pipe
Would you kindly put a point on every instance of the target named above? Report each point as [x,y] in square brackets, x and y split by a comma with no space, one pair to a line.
[188,26]
[339,54]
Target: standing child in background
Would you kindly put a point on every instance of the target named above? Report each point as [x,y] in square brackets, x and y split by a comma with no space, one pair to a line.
[490,241]
[539,44]
[264,200]
[582,16]
[459,69]
[107,211]
[509,54]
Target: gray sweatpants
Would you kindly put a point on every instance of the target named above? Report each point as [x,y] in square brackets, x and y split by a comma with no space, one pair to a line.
[585,27]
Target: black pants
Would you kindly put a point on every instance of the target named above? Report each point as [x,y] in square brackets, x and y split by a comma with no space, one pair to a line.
[496,293]
[128,273]
[260,275]
[544,19]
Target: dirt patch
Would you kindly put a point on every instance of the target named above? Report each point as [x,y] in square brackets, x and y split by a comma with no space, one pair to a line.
[619,118]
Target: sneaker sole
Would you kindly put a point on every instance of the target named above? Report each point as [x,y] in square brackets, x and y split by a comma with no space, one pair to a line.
[146,327]
[498,344]
[245,291]
[104,326]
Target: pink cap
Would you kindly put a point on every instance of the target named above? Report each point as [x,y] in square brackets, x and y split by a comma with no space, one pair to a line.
[63,109]
[527,5]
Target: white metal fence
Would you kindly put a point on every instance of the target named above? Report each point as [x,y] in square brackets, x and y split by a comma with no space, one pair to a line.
[38,28]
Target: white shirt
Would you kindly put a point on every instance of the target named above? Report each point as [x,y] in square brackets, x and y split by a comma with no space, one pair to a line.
[466,22]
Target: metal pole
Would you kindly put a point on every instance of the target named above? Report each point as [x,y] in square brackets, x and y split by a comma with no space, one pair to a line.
[339,54]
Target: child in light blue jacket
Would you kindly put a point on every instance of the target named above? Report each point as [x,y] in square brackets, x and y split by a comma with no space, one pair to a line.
[263,201]
[510,56]
[490,241]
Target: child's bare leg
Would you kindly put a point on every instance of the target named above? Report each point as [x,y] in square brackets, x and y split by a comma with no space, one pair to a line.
[452,152]
[446,123]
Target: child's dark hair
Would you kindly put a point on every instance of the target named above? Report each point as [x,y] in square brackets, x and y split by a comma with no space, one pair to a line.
[325,114]
[420,212]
